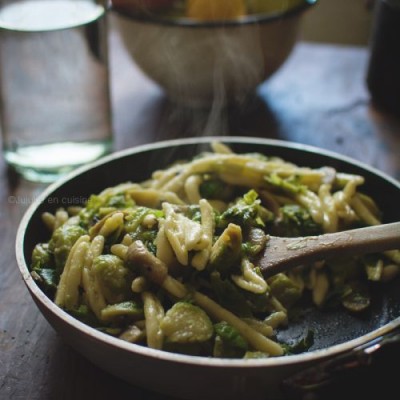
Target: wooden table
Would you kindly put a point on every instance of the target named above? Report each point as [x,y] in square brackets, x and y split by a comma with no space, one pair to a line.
[318,98]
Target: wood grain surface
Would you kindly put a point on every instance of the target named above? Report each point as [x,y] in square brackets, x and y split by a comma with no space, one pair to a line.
[318,98]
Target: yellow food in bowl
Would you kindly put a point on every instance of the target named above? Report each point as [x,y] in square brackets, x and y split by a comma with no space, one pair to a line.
[206,10]
[215,10]
[211,10]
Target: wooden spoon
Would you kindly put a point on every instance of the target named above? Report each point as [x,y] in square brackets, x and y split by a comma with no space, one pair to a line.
[282,253]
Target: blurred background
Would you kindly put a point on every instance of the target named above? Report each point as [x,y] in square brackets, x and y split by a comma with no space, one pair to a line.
[347,22]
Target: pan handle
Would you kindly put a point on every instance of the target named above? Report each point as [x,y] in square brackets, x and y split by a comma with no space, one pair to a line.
[369,371]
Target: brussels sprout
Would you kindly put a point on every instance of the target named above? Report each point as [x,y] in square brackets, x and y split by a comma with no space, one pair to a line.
[229,334]
[98,206]
[284,289]
[113,276]
[186,323]
[62,241]
[214,188]
[136,228]
[246,212]
[228,342]
[229,295]
[358,299]
[296,221]
[42,268]
[41,256]
[135,217]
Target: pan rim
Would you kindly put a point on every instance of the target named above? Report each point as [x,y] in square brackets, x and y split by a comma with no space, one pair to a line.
[92,333]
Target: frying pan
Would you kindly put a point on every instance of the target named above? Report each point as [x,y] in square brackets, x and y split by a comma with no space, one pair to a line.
[338,334]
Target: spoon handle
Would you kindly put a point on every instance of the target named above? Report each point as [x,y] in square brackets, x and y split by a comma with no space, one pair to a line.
[283,253]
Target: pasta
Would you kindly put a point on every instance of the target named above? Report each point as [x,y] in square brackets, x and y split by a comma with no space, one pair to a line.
[154,313]
[188,239]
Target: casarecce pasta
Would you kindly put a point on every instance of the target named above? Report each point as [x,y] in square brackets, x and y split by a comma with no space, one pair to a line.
[171,262]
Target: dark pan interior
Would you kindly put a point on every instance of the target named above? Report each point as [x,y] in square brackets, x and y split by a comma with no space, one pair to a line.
[330,327]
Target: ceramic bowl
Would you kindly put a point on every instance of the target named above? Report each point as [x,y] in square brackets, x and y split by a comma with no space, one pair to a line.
[202,63]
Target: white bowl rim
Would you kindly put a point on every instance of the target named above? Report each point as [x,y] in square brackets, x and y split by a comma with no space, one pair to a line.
[46,302]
